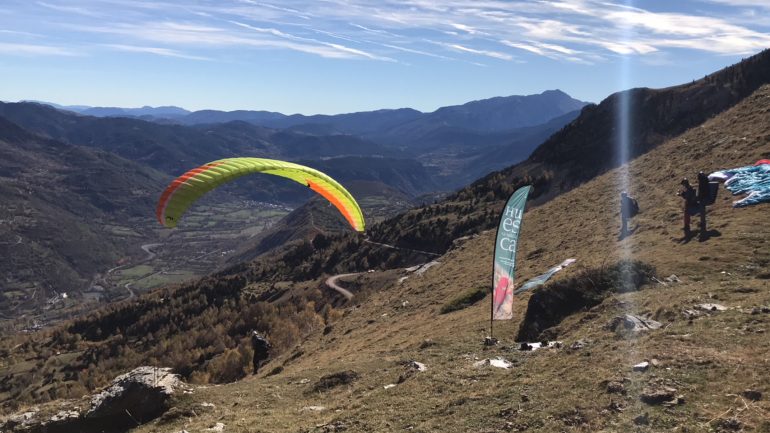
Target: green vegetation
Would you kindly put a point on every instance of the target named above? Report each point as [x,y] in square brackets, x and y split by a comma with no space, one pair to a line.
[136,271]
[159,279]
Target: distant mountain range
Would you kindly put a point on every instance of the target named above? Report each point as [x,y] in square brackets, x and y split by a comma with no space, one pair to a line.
[501,113]
[457,144]
[79,183]
[167,111]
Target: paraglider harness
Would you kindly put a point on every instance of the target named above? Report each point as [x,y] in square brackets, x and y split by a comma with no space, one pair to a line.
[634,207]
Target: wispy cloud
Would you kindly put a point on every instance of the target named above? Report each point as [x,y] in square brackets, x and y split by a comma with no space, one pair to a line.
[744,3]
[488,53]
[510,30]
[341,48]
[36,50]
[19,33]
[552,51]
[413,51]
[69,9]
[166,52]
[295,12]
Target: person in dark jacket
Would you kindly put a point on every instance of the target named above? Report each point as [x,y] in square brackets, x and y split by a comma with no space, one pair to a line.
[704,197]
[261,350]
[690,205]
[628,209]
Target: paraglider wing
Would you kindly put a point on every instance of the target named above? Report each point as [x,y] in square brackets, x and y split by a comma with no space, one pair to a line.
[189,187]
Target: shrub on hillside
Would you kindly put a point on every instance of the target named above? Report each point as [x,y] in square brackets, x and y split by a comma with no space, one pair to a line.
[549,305]
[229,366]
[464,300]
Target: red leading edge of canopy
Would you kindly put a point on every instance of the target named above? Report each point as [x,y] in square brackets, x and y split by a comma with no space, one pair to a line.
[166,196]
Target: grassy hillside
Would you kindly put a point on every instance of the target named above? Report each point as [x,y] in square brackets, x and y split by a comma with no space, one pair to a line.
[65,213]
[709,360]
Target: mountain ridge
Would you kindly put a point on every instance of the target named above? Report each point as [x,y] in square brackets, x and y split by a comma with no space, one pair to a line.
[257,116]
[174,148]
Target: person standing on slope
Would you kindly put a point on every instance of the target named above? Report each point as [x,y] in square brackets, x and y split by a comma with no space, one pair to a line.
[690,205]
[628,209]
[704,198]
[261,350]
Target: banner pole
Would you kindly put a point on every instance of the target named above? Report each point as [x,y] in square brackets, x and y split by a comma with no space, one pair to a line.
[492,314]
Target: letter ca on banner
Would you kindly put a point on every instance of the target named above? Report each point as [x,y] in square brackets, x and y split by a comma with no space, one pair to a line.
[508,244]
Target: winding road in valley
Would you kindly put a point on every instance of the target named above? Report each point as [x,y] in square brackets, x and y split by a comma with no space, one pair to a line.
[147,248]
[150,255]
[331,283]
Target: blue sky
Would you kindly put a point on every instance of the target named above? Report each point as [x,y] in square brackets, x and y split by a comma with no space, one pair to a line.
[333,56]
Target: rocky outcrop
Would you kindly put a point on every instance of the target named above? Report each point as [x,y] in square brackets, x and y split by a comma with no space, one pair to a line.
[551,303]
[629,323]
[137,396]
[132,399]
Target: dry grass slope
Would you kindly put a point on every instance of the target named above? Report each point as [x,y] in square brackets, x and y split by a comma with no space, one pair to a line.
[710,360]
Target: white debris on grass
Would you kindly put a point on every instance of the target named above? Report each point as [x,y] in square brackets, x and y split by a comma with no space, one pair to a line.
[497,362]
[539,345]
[426,266]
[673,279]
[711,307]
[500,363]
[419,366]
[313,409]
[217,427]
[390,385]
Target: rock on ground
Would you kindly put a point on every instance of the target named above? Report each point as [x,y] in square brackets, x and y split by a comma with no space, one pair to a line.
[141,394]
[132,399]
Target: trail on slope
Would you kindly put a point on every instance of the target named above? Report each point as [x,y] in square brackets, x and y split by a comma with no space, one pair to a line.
[366,240]
[331,283]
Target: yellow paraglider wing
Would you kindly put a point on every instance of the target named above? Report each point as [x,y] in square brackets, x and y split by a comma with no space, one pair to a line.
[189,187]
